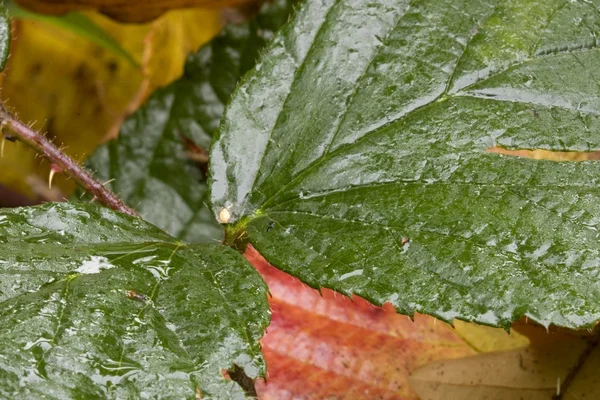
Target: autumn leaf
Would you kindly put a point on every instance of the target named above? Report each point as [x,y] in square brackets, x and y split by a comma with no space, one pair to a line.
[329,346]
[125,11]
[558,362]
[78,91]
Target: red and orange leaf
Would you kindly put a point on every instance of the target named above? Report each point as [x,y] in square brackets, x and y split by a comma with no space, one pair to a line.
[334,347]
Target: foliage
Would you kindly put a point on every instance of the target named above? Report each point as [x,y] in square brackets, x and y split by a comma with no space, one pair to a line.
[99,304]
[436,155]
[78,92]
[355,157]
[149,164]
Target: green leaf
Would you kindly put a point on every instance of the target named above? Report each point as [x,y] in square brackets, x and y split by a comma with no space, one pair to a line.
[77,23]
[354,156]
[5,36]
[96,304]
[148,162]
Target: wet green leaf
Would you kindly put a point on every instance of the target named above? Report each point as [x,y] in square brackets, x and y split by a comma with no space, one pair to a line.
[355,156]
[96,304]
[5,35]
[149,163]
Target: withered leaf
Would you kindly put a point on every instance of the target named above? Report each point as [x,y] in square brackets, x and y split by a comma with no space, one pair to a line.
[125,11]
[558,364]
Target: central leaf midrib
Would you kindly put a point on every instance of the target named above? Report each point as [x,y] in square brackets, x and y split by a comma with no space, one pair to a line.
[296,74]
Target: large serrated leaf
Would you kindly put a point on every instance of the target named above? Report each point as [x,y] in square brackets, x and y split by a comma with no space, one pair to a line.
[96,304]
[354,156]
[148,165]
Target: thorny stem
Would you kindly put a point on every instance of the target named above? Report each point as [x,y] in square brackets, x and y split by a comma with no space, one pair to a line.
[66,164]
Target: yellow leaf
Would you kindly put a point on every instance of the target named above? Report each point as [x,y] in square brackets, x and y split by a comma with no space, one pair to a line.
[556,363]
[78,91]
[125,11]
[485,339]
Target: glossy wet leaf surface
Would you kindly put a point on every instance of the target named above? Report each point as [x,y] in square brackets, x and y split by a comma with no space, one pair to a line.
[99,305]
[149,162]
[5,35]
[355,156]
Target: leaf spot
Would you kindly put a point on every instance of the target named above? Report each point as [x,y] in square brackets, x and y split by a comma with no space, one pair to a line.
[135,295]
[549,155]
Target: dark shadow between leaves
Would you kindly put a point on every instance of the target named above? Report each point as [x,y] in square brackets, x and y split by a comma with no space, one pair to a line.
[238,375]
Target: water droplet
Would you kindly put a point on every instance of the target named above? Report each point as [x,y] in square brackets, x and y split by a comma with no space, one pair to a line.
[357,272]
[94,265]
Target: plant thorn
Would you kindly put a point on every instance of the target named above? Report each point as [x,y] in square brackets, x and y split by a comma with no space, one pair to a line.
[50,177]
[53,170]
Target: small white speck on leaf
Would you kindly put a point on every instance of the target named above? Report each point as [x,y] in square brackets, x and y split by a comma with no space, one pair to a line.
[224,216]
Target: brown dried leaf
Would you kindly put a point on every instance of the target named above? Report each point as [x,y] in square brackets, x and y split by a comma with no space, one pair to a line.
[124,11]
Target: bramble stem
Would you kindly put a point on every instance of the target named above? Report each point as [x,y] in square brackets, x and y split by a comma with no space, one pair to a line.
[61,161]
